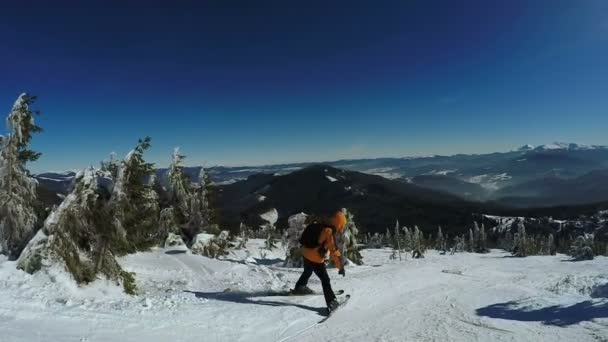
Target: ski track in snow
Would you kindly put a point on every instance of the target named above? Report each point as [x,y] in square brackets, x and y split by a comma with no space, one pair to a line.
[184,297]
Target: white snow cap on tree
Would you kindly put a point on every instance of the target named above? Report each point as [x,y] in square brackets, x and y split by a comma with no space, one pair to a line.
[271,216]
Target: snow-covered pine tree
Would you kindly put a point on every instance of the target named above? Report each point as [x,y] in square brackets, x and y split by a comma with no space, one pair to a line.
[347,241]
[137,208]
[388,238]
[297,224]
[483,240]
[582,248]
[111,165]
[179,187]
[397,240]
[18,201]
[471,244]
[268,228]
[551,244]
[418,244]
[476,237]
[407,240]
[243,237]
[440,243]
[521,243]
[79,235]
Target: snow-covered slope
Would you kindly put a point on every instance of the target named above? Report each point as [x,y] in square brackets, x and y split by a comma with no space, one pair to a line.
[184,297]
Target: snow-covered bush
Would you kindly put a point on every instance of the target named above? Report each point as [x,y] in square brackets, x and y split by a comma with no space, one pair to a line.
[582,248]
[210,245]
[79,235]
[297,223]
[459,245]
[18,202]
[174,240]
[375,241]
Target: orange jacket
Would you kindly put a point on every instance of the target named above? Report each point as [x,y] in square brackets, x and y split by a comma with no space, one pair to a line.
[326,240]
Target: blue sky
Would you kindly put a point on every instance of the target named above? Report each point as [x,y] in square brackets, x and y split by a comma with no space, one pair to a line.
[255,82]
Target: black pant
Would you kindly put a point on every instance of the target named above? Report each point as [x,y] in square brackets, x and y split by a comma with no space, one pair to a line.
[321,272]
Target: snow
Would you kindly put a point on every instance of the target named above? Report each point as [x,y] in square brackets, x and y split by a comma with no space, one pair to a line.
[561,146]
[490,181]
[386,172]
[186,297]
[331,179]
[440,172]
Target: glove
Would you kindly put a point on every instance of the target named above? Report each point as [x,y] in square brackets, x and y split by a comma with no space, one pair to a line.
[342,272]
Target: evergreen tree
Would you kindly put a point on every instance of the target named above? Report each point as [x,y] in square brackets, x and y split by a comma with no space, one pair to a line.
[582,248]
[179,187]
[79,235]
[18,199]
[347,241]
[136,201]
[418,244]
[388,239]
[407,239]
[440,243]
[521,241]
[397,239]
[471,244]
[551,245]
[482,242]
[111,165]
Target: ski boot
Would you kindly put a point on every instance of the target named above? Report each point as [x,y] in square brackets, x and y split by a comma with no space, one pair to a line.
[302,290]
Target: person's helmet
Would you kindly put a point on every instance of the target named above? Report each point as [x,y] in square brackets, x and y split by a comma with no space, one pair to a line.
[339,221]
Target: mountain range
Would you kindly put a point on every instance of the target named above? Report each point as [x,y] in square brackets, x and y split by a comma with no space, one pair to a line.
[558,174]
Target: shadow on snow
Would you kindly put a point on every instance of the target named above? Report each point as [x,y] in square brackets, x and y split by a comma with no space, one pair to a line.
[247,298]
[561,316]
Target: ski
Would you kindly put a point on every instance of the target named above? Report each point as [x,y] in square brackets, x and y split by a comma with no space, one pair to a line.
[343,301]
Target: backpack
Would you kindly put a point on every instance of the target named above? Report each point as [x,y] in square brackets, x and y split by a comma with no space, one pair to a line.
[310,235]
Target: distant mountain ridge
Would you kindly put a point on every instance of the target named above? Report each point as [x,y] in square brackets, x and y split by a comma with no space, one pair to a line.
[502,177]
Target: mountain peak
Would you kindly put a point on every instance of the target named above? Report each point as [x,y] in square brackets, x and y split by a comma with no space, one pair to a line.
[560,146]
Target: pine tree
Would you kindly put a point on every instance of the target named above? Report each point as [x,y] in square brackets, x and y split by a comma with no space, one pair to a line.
[388,239]
[297,224]
[79,235]
[440,243]
[18,199]
[111,165]
[471,244]
[582,248]
[551,245]
[483,243]
[521,243]
[418,245]
[397,238]
[179,187]
[407,239]
[136,201]
[347,241]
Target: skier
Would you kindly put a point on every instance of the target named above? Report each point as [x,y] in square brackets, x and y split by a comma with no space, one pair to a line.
[317,240]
